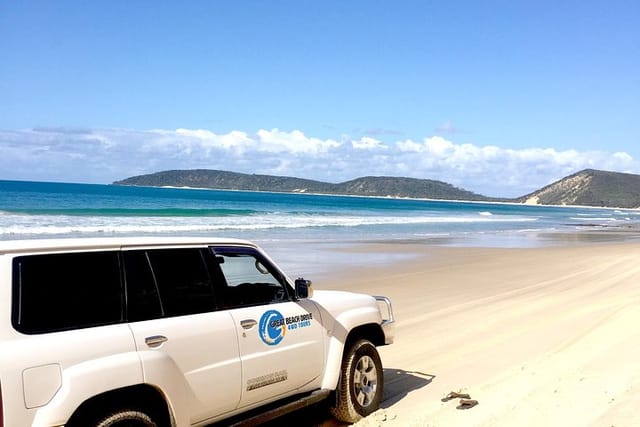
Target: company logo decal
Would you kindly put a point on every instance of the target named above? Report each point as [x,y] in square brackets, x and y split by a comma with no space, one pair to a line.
[273,325]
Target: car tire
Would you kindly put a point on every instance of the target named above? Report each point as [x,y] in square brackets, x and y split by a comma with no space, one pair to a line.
[360,387]
[126,417]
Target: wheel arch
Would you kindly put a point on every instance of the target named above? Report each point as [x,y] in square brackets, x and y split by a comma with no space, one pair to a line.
[370,331]
[142,397]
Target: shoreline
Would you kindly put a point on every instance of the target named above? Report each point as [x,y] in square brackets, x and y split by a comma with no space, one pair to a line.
[317,260]
[424,199]
[117,210]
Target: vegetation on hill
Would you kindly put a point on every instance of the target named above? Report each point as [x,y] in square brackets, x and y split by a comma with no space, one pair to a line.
[405,187]
[585,188]
[206,178]
[366,186]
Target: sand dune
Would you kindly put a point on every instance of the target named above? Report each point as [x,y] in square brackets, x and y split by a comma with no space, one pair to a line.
[544,336]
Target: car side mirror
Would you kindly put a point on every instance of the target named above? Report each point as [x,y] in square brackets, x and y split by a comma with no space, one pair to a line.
[303,288]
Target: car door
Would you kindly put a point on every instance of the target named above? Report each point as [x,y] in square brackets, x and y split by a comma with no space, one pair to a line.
[185,344]
[280,339]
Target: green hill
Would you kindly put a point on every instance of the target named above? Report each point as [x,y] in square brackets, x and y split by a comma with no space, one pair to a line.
[366,186]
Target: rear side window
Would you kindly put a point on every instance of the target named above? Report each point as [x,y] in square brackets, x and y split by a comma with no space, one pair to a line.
[167,282]
[143,299]
[56,292]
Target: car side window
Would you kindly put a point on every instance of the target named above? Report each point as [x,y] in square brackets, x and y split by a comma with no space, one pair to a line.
[249,278]
[56,292]
[167,282]
[143,298]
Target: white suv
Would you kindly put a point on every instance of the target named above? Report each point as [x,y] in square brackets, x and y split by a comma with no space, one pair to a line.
[176,332]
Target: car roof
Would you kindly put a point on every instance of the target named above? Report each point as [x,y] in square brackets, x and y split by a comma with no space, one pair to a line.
[112,243]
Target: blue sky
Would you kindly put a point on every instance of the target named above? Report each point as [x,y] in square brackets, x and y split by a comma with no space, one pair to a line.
[498,97]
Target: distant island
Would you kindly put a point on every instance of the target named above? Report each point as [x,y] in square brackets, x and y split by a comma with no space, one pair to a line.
[589,187]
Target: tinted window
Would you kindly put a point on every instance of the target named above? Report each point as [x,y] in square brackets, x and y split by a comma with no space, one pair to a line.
[55,292]
[250,279]
[167,282]
[143,300]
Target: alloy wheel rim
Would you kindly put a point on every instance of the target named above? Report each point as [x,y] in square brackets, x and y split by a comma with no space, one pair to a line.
[365,381]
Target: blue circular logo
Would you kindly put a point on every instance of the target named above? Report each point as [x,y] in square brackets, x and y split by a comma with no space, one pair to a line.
[272,327]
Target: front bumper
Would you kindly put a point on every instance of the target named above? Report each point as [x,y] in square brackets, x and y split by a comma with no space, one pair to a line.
[388,321]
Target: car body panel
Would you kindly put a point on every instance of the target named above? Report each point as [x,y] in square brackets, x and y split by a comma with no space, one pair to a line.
[206,366]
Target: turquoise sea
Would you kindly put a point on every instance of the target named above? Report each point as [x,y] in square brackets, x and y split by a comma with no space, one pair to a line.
[275,220]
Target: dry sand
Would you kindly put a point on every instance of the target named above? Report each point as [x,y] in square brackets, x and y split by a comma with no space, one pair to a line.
[539,337]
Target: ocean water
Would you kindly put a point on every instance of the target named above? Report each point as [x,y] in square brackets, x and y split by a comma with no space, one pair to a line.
[280,221]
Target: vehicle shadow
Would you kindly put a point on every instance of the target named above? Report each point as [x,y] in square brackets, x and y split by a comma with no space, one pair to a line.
[397,384]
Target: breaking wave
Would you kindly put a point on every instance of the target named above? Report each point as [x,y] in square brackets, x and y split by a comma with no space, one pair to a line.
[71,224]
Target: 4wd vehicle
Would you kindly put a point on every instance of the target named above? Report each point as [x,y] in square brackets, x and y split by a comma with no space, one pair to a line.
[176,332]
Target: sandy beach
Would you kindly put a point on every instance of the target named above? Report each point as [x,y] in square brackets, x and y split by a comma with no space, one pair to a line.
[538,336]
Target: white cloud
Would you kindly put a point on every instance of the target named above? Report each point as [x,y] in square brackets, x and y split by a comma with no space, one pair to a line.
[209,140]
[277,141]
[106,155]
[367,143]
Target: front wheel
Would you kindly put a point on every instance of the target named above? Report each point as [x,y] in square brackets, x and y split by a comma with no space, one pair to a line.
[126,418]
[359,390]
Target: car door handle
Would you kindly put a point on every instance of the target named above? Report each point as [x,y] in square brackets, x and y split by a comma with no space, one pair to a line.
[248,323]
[155,340]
